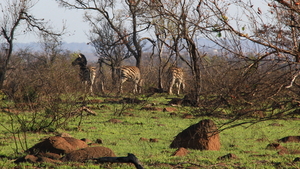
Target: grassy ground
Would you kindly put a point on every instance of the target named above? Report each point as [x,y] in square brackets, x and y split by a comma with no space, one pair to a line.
[247,142]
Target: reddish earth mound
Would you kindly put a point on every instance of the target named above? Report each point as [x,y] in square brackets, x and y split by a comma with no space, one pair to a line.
[169,109]
[201,136]
[290,139]
[88,153]
[181,152]
[276,146]
[53,148]
[57,145]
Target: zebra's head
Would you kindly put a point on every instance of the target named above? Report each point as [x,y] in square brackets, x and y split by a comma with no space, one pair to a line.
[80,60]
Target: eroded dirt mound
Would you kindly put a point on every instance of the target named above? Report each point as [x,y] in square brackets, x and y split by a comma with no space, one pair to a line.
[290,139]
[275,146]
[57,145]
[181,152]
[282,150]
[36,159]
[202,136]
[58,149]
[88,153]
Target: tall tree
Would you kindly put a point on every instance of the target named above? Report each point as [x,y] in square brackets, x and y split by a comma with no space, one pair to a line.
[14,14]
[110,50]
[166,33]
[178,17]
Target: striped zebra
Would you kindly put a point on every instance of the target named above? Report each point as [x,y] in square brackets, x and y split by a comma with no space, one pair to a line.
[87,74]
[130,73]
[175,77]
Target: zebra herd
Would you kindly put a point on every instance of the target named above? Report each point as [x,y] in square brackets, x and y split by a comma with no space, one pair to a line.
[87,75]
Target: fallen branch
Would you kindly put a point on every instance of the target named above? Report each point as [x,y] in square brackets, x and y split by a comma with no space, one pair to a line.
[294,78]
[131,158]
[89,111]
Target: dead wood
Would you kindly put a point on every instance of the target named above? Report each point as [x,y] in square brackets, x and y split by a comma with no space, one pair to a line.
[89,111]
[131,158]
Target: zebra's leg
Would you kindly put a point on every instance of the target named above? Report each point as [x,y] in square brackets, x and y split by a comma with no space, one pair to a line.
[92,83]
[178,87]
[91,88]
[140,84]
[135,90]
[102,87]
[84,84]
[171,86]
[121,84]
[137,86]
[183,86]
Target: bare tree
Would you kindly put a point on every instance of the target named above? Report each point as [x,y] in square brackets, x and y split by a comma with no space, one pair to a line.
[270,28]
[109,48]
[162,35]
[14,14]
[51,45]
[118,14]
[178,16]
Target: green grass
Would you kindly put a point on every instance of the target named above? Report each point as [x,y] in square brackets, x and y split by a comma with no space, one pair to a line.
[247,142]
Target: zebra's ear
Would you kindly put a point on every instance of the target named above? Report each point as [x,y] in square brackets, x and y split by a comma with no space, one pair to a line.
[80,55]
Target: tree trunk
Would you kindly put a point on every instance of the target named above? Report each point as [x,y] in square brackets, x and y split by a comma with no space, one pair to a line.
[113,77]
[160,86]
[4,67]
[2,75]
[138,61]
[196,68]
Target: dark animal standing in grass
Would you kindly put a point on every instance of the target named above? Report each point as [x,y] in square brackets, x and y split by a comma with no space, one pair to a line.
[87,74]
[175,77]
[130,73]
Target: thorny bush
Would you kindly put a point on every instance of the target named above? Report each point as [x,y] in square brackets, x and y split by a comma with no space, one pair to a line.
[44,93]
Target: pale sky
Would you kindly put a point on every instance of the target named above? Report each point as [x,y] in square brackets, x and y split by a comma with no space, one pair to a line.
[56,16]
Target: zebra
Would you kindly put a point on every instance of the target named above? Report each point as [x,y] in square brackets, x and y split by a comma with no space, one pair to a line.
[87,74]
[175,77]
[130,73]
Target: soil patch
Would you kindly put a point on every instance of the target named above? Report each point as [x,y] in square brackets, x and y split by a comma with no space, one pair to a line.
[181,152]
